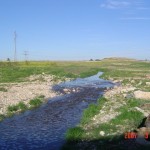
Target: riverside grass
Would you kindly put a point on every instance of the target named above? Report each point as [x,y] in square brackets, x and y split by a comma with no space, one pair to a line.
[21,107]
[80,137]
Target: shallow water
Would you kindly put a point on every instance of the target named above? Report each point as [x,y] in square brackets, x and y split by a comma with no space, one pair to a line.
[44,128]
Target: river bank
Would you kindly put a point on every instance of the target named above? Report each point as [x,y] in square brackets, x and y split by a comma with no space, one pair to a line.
[33,87]
[108,124]
[119,120]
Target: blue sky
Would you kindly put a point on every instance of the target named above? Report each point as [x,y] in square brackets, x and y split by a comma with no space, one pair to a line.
[75,29]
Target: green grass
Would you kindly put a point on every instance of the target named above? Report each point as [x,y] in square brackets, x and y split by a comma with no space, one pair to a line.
[2,117]
[21,107]
[74,134]
[92,110]
[17,72]
[113,68]
[3,89]
[130,118]
[13,108]
[41,96]
[35,102]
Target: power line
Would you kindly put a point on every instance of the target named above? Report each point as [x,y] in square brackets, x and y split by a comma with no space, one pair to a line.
[26,55]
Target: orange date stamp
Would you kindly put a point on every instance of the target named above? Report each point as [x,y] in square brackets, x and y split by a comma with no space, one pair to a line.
[133,135]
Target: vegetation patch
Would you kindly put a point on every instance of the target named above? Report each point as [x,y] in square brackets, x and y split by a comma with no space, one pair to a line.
[13,108]
[21,107]
[92,110]
[35,102]
[105,135]
[2,117]
[74,134]
[2,89]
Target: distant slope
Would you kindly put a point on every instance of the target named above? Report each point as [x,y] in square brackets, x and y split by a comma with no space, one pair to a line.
[120,58]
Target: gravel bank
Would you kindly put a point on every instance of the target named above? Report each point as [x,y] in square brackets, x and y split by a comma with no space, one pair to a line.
[34,86]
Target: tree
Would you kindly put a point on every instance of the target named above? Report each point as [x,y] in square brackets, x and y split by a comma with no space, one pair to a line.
[8,59]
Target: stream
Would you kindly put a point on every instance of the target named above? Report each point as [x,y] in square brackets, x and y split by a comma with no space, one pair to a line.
[45,127]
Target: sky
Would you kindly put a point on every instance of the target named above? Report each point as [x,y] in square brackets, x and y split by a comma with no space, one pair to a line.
[75,29]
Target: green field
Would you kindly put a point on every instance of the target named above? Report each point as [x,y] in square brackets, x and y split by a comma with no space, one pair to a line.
[113,68]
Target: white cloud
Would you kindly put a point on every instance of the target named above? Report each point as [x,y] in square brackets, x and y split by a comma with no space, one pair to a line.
[115,4]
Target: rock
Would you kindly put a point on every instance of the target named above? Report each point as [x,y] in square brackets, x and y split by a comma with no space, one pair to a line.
[115,87]
[124,95]
[102,133]
[25,91]
[73,90]
[140,83]
[147,76]
[107,88]
[142,134]
[147,83]
[132,81]
[142,95]
[65,90]
[147,122]
[141,110]
[143,131]
[115,81]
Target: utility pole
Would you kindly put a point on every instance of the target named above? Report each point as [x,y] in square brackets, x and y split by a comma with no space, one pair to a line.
[15,51]
[26,56]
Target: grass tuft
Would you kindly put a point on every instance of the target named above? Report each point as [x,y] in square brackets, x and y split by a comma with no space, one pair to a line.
[35,102]
[13,108]
[22,106]
[2,117]
[74,134]
[2,89]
